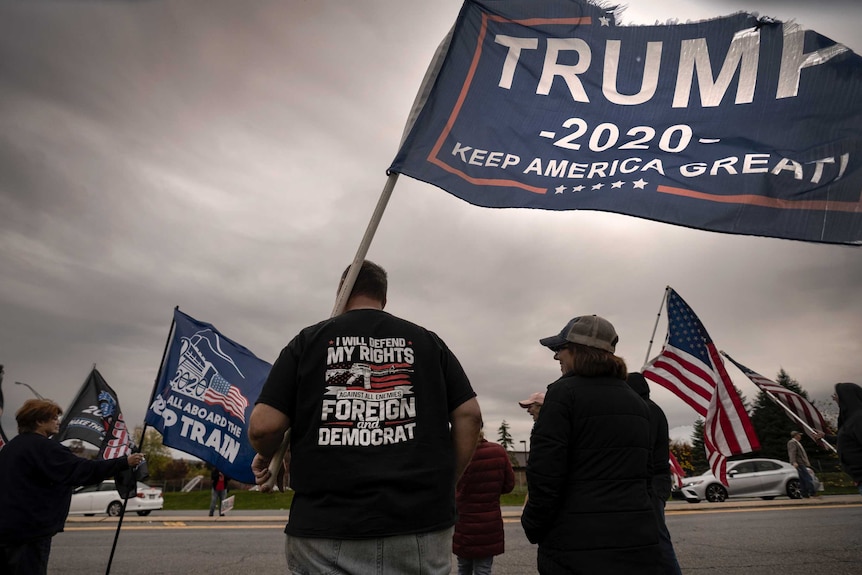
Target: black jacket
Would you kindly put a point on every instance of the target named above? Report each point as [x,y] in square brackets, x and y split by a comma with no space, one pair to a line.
[850,429]
[660,461]
[37,476]
[589,507]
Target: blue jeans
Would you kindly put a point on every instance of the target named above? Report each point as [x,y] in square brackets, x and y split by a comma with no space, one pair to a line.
[475,566]
[217,497]
[416,554]
[806,486]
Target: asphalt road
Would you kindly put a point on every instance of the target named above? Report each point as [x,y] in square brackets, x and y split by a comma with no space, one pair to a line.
[738,538]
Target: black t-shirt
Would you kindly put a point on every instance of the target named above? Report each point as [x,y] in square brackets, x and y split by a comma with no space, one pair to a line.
[369,397]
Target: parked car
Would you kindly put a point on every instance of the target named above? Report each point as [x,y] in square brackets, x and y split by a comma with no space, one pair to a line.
[764,478]
[104,498]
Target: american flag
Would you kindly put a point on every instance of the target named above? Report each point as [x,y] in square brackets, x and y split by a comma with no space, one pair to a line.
[796,403]
[690,366]
[676,471]
[221,392]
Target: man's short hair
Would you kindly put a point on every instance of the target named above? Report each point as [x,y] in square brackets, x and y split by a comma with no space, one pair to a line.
[371,281]
[34,412]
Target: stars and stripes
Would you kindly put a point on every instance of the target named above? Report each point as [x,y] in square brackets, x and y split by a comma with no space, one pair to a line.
[221,392]
[676,472]
[801,407]
[690,366]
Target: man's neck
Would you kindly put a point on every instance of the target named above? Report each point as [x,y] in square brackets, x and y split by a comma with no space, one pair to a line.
[363,302]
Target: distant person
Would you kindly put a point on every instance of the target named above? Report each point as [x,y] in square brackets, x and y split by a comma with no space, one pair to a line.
[849,438]
[383,422]
[219,491]
[589,470]
[662,482]
[37,476]
[799,459]
[533,404]
[479,535]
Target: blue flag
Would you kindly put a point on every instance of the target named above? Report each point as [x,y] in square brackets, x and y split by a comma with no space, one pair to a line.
[205,394]
[737,124]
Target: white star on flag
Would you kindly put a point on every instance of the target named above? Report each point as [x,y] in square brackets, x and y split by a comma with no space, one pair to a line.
[560,189]
[597,186]
[617,185]
[640,184]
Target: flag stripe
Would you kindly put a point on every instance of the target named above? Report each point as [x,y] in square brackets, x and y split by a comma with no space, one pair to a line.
[690,366]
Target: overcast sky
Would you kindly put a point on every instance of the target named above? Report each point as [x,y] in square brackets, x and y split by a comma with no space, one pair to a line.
[225,157]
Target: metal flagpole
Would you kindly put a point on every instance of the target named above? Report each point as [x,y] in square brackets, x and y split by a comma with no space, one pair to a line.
[655,327]
[341,302]
[140,446]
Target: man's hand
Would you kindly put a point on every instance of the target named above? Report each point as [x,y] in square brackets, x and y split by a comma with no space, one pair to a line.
[260,468]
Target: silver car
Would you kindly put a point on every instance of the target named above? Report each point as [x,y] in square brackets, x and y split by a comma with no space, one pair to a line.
[104,498]
[764,478]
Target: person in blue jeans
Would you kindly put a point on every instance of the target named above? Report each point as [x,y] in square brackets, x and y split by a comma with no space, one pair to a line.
[799,459]
[219,490]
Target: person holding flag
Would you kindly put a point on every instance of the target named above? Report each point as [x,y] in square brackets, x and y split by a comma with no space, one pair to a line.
[37,476]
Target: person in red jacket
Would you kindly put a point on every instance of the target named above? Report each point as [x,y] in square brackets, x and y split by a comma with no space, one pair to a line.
[479,531]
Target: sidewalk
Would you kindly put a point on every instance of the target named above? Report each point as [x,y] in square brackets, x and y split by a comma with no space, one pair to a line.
[279,516]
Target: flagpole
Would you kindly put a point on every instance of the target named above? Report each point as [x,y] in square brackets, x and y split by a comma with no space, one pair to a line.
[811,431]
[158,376]
[341,302]
[655,327]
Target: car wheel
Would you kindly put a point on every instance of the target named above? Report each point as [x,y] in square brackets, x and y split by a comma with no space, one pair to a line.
[770,498]
[793,490]
[115,508]
[715,493]
[144,512]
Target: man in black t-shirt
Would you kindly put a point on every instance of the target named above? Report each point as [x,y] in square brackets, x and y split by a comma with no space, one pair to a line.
[383,422]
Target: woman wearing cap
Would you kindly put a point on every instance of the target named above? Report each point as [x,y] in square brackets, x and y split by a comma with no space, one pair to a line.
[589,507]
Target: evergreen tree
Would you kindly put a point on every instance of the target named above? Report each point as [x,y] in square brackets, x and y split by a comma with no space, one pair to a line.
[504,438]
[699,462]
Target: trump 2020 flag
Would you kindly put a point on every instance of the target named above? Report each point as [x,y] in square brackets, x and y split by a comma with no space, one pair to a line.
[206,389]
[792,401]
[95,417]
[736,124]
[690,366]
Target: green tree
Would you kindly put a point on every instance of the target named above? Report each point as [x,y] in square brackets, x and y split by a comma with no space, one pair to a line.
[699,462]
[504,438]
[157,454]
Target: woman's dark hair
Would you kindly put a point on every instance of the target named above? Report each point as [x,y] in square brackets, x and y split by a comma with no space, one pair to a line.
[594,362]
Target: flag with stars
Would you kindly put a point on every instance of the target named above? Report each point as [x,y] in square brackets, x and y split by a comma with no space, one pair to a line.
[690,366]
[738,124]
[792,401]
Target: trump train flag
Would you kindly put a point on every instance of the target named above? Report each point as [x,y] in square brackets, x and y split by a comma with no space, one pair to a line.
[205,392]
[792,401]
[95,417]
[690,366]
[738,124]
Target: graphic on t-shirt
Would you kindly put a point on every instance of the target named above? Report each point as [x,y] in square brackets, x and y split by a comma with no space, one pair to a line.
[369,397]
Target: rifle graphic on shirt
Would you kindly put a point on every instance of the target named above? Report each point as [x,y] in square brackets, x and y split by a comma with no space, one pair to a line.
[360,370]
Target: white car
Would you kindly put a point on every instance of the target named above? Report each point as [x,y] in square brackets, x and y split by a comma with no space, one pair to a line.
[104,498]
[764,478]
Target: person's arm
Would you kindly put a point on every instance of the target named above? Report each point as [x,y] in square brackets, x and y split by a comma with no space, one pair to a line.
[466,422]
[266,428]
[508,474]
